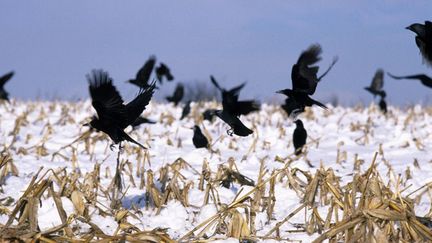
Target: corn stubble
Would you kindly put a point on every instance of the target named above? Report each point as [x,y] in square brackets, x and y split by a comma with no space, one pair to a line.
[365,209]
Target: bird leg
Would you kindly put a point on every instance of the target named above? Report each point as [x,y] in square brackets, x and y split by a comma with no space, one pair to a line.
[112,146]
[121,148]
[230,131]
[118,185]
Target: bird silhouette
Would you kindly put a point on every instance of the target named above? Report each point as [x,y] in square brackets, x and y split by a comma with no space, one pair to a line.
[177,95]
[383,105]
[299,137]
[143,76]
[376,86]
[198,139]
[4,95]
[423,39]
[230,100]
[424,79]
[112,115]
[186,110]
[304,77]
[163,71]
[237,127]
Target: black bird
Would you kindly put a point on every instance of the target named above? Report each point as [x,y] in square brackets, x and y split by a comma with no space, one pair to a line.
[186,110]
[299,100]
[209,114]
[4,95]
[291,107]
[163,71]
[423,39]
[376,86]
[305,79]
[303,75]
[299,137]
[424,79]
[230,100]
[112,115]
[143,76]
[237,127]
[141,120]
[178,94]
[383,105]
[198,139]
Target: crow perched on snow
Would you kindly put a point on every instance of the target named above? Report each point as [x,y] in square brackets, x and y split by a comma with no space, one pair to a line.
[112,115]
[376,87]
[143,75]
[237,127]
[423,39]
[198,139]
[178,94]
[186,110]
[230,100]
[299,137]
[4,95]
[424,79]
[304,81]
[163,71]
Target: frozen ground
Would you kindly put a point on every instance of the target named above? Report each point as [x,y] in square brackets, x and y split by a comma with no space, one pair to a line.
[403,139]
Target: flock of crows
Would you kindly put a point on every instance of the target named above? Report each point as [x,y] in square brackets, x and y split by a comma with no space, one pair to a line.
[113,116]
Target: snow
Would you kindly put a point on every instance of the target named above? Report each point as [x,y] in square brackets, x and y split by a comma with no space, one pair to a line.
[340,128]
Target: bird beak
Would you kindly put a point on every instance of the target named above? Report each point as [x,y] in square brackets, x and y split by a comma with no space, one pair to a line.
[86,124]
[279,92]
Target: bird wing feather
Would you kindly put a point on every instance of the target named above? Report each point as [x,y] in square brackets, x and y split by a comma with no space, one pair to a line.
[105,98]
[5,78]
[378,80]
[144,73]
[137,105]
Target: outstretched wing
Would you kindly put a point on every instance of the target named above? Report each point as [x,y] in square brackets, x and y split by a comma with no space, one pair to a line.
[235,92]
[335,59]
[426,80]
[378,80]
[105,98]
[307,58]
[215,83]
[144,73]
[5,78]
[137,105]
[304,76]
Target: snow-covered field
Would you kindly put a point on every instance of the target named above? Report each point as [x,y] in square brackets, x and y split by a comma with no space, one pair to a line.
[163,191]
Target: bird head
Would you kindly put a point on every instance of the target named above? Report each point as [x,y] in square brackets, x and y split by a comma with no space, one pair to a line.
[416,28]
[92,124]
[299,123]
[286,92]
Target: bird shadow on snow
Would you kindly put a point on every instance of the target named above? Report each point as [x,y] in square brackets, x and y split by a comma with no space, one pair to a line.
[141,200]
[138,200]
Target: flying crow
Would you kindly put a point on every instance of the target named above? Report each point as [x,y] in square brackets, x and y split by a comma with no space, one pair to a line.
[424,79]
[4,95]
[423,39]
[112,115]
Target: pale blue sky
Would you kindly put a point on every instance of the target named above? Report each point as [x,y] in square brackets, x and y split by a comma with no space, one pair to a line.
[52,44]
